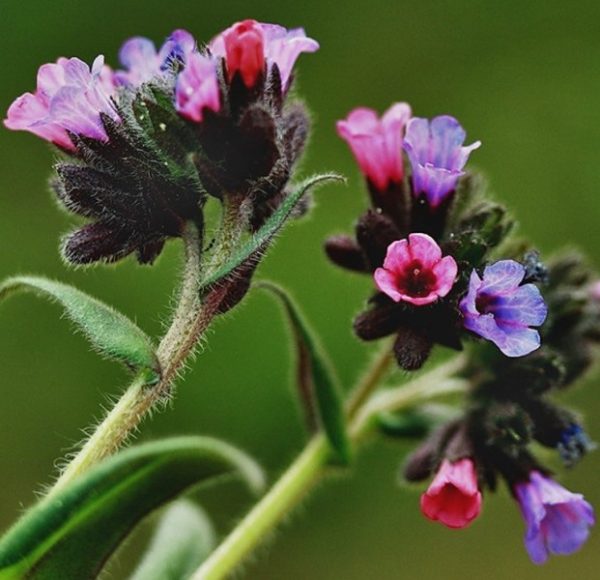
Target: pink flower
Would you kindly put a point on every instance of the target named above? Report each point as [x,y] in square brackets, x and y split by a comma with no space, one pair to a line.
[69,98]
[197,88]
[377,143]
[453,498]
[249,46]
[414,271]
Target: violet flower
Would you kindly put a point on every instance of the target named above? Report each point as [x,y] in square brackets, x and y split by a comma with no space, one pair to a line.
[143,62]
[436,155]
[500,309]
[558,520]
[69,99]
[377,143]
[453,498]
[415,272]
[197,88]
[249,45]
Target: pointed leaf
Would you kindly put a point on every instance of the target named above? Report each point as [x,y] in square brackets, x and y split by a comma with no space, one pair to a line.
[183,540]
[315,376]
[71,534]
[109,331]
[249,253]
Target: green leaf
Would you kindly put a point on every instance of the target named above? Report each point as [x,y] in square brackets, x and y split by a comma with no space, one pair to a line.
[315,376]
[110,332]
[183,540]
[249,253]
[71,534]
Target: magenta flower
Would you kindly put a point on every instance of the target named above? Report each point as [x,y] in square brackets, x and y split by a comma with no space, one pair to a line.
[453,498]
[247,46]
[143,62]
[499,309]
[69,99]
[197,88]
[414,271]
[377,143]
[436,155]
[557,520]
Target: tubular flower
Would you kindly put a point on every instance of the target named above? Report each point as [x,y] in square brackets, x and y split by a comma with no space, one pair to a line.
[197,88]
[436,155]
[414,271]
[249,46]
[557,520]
[501,310]
[453,498]
[143,62]
[377,143]
[69,98]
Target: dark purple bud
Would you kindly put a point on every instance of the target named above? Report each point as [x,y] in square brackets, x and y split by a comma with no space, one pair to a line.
[426,458]
[374,233]
[379,321]
[411,348]
[345,252]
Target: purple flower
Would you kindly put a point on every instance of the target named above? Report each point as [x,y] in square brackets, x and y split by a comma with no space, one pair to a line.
[436,155]
[246,45]
[143,62]
[558,521]
[499,309]
[197,88]
[69,99]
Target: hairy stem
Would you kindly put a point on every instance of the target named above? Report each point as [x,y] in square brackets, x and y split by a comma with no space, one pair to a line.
[311,464]
[190,320]
[371,380]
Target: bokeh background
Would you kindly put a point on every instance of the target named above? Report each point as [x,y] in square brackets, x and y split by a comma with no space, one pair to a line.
[523,77]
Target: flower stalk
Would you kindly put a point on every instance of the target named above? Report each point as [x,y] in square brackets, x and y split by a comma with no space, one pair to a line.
[312,463]
[190,319]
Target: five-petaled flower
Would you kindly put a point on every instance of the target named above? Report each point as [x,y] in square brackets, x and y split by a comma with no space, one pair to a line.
[500,309]
[249,46]
[69,99]
[414,271]
[436,155]
[557,520]
[377,143]
[453,498]
[143,62]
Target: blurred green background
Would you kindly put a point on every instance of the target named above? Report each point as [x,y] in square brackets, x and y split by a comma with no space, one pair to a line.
[523,77]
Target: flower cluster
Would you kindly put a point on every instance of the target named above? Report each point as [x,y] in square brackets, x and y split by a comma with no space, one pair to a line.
[444,272]
[427,241]
[144,146]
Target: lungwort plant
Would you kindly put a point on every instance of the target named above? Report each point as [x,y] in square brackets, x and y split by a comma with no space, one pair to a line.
[142,150]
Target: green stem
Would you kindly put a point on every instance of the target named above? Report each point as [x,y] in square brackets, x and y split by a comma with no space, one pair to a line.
[190,320]
[287,492]
[371,380]
[310,465]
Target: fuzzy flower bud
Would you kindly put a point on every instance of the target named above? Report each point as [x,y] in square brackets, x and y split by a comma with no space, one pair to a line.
[499,309]
[377,143]
[453,498]
[436,155]
[557,520]
[414,271]
[69,99]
